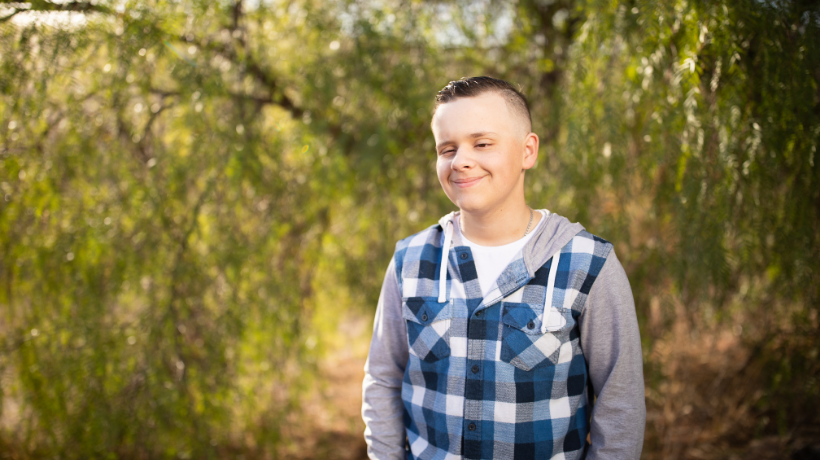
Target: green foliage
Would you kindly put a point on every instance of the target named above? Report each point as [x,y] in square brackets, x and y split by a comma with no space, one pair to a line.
[191,189]
[711,111]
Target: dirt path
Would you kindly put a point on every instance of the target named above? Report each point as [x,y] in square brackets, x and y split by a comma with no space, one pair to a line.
[330,425]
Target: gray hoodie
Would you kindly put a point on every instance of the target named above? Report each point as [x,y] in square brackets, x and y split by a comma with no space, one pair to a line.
[605,329]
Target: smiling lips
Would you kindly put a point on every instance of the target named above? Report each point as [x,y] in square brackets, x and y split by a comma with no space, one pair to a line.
[468,181]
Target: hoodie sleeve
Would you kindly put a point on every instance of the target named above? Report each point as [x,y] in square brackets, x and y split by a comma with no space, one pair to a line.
[612,347]
[382,406]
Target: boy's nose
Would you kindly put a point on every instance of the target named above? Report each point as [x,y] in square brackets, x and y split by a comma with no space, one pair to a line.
[462,159]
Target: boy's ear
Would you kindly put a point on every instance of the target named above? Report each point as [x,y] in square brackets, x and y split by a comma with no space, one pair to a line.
[530,150]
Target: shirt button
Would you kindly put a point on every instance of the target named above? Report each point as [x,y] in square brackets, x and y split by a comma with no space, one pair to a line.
[475,369]
[478,313]
[424,318]
[471,427]
[464,255]
[530,325]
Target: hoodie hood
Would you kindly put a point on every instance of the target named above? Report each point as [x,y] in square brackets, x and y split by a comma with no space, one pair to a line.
[548,239]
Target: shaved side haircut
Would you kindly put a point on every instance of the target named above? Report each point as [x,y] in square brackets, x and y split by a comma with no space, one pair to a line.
[476,86]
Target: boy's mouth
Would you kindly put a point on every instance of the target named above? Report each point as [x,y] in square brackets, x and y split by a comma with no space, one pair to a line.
[468,181]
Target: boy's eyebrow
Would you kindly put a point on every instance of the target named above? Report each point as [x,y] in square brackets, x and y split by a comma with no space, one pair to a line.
[472,136]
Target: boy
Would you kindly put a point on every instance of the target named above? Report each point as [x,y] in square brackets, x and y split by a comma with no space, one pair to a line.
[495,346]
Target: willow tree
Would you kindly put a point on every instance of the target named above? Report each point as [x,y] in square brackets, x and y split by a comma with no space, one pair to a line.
[193,192]
[692,131]
[172,175]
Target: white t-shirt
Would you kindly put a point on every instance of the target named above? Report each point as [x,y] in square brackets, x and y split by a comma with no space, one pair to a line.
[490,261]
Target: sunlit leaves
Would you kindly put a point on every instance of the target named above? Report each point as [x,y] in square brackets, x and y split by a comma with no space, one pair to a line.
[190,191]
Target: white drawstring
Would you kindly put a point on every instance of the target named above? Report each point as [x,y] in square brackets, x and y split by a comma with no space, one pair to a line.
[550,288]
[445,257]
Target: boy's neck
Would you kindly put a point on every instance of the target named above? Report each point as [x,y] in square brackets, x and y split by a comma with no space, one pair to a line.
[498,227]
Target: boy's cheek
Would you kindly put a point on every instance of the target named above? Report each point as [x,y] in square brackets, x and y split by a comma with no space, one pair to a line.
[441,173]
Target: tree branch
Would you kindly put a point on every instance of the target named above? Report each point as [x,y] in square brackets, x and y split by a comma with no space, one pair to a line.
[44,6]
[276,95]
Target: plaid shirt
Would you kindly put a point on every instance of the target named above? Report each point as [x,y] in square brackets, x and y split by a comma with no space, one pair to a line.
[482,380]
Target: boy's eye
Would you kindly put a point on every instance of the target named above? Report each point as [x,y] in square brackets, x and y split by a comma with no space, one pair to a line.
[447,152]
[483,144]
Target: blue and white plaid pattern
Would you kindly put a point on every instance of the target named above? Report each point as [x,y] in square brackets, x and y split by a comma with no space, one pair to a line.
[482,380]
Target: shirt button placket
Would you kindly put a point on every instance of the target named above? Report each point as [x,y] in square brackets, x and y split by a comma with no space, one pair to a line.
[473,402]
[473,431]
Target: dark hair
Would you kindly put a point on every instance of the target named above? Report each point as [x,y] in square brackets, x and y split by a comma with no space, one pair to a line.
[476,86]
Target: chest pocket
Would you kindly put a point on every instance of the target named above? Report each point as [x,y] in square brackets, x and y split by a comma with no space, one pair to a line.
[428,327]
[524,345]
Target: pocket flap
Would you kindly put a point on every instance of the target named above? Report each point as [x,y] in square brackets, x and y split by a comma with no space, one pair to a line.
[424,310]
[524,316]
[528,317]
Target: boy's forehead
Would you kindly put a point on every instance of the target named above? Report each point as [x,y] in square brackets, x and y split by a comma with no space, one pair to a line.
[485,112]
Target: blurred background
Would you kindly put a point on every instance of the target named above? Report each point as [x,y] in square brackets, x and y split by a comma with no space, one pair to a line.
[199,199]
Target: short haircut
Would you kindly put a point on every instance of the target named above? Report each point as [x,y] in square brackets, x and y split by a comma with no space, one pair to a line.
[476,86]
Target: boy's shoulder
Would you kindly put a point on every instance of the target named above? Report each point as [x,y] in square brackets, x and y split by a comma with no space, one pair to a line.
[429,235]
[588,252]
[586,242]
[422,246]
[420,253]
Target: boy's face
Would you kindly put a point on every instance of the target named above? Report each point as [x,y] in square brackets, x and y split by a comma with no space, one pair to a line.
[483,149]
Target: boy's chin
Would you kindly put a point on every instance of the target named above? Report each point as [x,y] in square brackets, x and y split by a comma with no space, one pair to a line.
[471,206]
